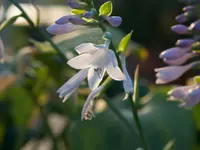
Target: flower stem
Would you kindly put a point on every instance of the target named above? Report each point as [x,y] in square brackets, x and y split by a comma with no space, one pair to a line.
[137,122]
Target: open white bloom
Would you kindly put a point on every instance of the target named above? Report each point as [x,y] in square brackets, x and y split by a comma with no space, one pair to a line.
[127,83]
[72,84]
[87,111]
[99,59]
[171,73]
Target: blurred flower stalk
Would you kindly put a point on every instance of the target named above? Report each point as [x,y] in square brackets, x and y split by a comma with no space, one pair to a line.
[177,56]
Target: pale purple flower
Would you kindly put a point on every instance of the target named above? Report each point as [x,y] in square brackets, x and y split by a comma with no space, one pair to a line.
[180,60]
[174,53]
[115,21]
[180,29]
[179,92]
[99,59]
[87,111]
[181,18]
[167,74]
[77,20]
[192,98]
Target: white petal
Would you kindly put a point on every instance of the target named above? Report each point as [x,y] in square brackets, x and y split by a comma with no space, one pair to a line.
[61,29]
[87,108]
[86,48]
[113,58]
[95,76]
[72,84]
[81,61]
[115,72]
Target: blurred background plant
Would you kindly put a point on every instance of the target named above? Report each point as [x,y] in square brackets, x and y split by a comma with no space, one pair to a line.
[33,117]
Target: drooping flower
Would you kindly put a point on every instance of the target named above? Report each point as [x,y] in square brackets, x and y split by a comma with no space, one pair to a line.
[171,73]
[98,59]
[87,111]
[72,84]
[127,83]
[180,29]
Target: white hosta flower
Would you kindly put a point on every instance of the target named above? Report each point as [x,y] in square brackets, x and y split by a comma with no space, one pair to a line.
[127,83]
[179,92]
[1,50]
[181,60]
[72,84]
[171,73]
[192,98]
[87,112]
[98,59]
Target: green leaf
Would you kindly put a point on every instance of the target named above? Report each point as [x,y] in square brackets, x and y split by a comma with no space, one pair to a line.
[8,22]
[78,11]
[136,86]
[197,79]
[169,145]
[106,9]
[124,42]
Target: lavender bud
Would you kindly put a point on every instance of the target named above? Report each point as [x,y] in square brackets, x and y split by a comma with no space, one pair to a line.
[180,29]
[77,20]
[63,20]
[185,42]
[189,8]
[181,18]
[195,26]
[115,21]
[173,53]
[75,5]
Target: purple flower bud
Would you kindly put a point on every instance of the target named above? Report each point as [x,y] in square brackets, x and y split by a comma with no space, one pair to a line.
[180,29]
[88,14]
[192,97]
[73,5]
[63,20]
[181,60]
[115,21]
[173,53]
[195,26]
[189,8]
[61,29]
[77,20]
[181,18]
[185,42]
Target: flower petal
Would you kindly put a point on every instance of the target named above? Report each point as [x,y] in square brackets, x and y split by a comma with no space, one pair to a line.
[115,72]
[113,58]
[72,84]
[86,48]
[81,61]
[87,111]
[95,76]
